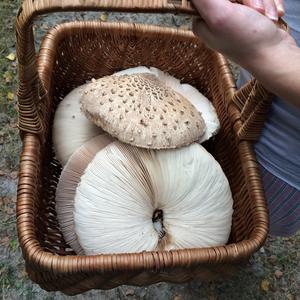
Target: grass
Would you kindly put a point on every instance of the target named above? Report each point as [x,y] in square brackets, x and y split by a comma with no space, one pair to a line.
[8,10]
[9,138]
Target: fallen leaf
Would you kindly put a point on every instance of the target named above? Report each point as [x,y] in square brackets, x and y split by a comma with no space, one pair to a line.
[9,210]
[291,297]
[5,241]
[129,292]
[265,285]
[103,17]
[2,173]
[10,96]
[14,175]
[184,27]
[278,274]
[11,56]
[24,273]
[178,297]
[45,26]
[8,77]
[273,258]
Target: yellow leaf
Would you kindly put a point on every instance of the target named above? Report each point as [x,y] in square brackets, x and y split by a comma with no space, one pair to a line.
[10,96]
[178,297]
[11,56]
[184,27]
[8,77]
[265,285]
[103,17]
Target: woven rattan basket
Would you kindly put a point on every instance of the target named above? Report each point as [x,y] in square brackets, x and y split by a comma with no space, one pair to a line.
[70,54]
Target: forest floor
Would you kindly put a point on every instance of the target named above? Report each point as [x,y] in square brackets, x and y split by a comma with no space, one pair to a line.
[274,272]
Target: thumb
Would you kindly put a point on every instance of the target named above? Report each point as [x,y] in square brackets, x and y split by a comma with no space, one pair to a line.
[201,29]
[210,9]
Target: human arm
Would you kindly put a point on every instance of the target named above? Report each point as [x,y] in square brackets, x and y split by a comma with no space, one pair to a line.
[254,42]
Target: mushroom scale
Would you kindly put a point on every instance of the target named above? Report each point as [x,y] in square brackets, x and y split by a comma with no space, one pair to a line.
[141,110]
[201,103]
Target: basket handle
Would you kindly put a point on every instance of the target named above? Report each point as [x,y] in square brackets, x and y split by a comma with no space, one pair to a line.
[31,91]
[249,109]
[250,106]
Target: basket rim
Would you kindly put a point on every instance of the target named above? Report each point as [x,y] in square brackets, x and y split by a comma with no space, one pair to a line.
[151,261]
[55,34]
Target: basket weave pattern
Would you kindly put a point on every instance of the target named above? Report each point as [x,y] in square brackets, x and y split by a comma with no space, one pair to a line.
[75,52]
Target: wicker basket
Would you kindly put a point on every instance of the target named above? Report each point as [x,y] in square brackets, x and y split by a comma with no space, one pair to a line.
[70,54]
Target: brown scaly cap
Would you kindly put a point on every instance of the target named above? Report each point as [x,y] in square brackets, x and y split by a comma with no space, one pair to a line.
[142,111]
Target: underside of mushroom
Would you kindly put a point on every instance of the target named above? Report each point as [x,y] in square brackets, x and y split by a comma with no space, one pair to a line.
[131,200]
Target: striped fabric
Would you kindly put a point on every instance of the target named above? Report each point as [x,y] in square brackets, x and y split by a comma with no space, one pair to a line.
[283,203]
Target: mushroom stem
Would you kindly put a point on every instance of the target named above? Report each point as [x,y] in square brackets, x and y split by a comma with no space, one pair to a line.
[157,219]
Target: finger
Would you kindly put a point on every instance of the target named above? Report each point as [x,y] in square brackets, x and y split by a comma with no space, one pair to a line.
[280,7]
[258,5]
[271,10]
[209,9]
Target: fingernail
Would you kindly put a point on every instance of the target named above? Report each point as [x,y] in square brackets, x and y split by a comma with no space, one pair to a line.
[258,4]
[280,7]
[273,15]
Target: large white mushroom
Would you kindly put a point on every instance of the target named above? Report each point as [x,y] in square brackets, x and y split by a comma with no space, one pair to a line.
[71,128]
[68,182]
[131,199]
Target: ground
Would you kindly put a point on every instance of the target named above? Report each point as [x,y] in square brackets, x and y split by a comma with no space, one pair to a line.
[273,273]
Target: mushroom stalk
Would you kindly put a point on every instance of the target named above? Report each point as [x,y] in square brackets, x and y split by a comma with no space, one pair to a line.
[157,219]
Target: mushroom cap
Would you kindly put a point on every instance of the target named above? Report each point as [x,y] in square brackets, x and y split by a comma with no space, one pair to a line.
[132,200]
[71,128]
[141,110]
[67,185]
[201,103]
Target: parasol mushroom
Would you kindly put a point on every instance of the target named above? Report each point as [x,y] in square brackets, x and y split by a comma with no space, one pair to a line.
[68,182]
[141,110]
[71,128]
[131,199]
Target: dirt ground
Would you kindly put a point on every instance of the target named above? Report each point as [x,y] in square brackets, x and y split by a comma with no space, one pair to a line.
[273,273]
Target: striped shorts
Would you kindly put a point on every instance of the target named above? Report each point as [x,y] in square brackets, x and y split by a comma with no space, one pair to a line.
[283,203]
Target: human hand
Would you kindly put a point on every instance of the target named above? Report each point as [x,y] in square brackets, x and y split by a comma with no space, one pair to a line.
[270,8]
[240,32]
[252,40]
